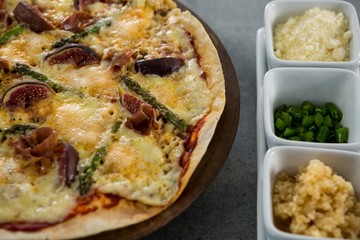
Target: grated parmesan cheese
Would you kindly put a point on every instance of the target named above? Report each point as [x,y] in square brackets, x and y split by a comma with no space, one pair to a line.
[317,35]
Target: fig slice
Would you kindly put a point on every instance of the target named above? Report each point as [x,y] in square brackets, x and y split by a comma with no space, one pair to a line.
[24,94]
[32,16]
[73,53]
[159,66]
[68,159]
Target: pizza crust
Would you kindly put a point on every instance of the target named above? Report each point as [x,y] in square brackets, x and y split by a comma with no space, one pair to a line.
[128,212]
[124,214]
[210,63]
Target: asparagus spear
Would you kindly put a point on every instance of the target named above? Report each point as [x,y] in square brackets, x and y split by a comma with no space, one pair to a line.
[17,129]
[26,70]
[12,33]
[94,29]
[86,177]
[167,113]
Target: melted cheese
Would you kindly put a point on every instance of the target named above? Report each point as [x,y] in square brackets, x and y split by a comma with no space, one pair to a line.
[57,10]
[137,168]
[126,31]
[101,9]
[27,47]
[93,80]
[32,198]
[84,122]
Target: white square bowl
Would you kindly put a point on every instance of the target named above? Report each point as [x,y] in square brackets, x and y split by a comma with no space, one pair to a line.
[280,10]
[292,86]
[288,160]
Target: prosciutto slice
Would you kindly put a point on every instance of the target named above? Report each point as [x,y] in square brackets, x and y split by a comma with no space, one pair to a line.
[77,22]
[41,145]
[143,120]
[117,59]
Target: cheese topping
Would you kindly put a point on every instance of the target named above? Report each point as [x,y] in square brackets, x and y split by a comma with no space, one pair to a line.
[99,83]
[32,198]
[83,122]
[27,47]
[126,31]
[55,11]
[137,168]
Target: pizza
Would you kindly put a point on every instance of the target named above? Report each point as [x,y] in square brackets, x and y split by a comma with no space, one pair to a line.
[107,107]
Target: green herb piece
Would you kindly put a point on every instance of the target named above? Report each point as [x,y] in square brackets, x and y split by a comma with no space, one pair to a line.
[26,70]
[307,136]
[328,121]
[116,127]
[290,132]
[334,111]
[17,129]
[321,110]
[12,33]
[279,124]
[341,135]
[307,121]
[279,110]
[167,113]
[323,134]
[296,112]
[86,177]
[308,107]
[319,119]
[286,118]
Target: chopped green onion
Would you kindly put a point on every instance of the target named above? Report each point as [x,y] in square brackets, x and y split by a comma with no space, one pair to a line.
[342,134]
[310,122]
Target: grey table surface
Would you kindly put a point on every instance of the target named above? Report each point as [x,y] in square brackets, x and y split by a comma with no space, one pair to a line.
[227,209]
